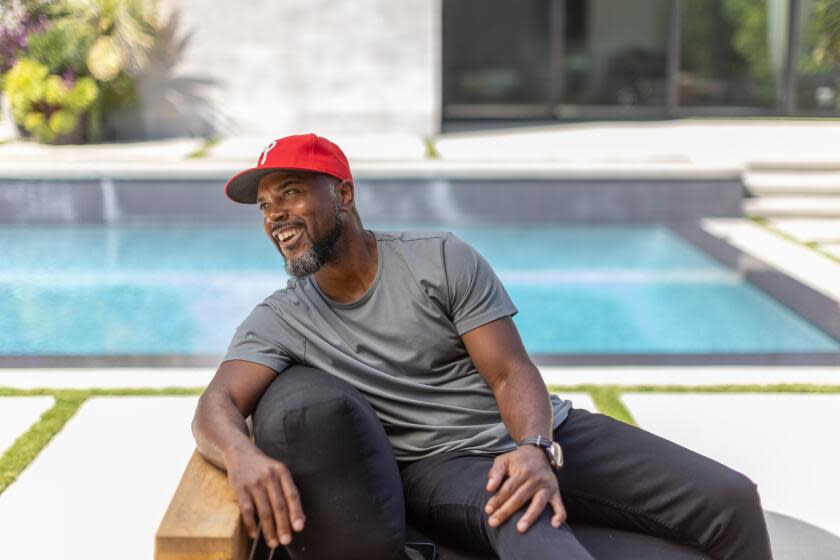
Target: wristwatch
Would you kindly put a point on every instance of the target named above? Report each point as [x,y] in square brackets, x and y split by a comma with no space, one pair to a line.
[551,448]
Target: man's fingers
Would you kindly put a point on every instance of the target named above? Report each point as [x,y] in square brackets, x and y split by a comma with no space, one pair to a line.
[507,489]
[497,473]
[280,510]
[559,516]
[265,514]
[246,507]
[524,492]
[534,510]
[290,492]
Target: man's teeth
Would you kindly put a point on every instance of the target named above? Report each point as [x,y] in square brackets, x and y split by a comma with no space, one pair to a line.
[286,234]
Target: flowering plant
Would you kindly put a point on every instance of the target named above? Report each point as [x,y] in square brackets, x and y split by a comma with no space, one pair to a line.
[16,23]
[45,104]
[66,65]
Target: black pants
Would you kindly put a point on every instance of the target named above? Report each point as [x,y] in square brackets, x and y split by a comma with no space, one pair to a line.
[615,475]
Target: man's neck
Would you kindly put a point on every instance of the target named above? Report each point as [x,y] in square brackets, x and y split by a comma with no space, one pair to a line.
[350,274]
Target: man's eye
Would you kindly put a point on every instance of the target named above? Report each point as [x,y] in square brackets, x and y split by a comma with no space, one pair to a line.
[290,191]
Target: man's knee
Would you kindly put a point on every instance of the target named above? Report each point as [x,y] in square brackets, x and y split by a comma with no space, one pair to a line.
[737,528]
[340,459]
[736,495]
[296,405]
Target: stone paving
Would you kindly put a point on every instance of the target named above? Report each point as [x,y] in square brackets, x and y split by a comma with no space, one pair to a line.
[786,443]
[100,487]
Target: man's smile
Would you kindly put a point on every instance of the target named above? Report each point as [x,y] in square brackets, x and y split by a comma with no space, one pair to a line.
[287,236]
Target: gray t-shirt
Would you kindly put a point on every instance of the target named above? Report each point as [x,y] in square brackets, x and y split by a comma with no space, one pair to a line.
[399,344]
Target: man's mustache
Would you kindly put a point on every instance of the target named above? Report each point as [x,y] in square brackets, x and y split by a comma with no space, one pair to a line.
[279,226]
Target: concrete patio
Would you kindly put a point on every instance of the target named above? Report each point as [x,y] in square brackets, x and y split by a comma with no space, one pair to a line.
[102,483]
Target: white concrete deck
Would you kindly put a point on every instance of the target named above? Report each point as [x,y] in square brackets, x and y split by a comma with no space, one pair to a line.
[198,378]
[787,444]
[697,376]
[100,488]
[110,473]
[17,414]
[832,248]
[357,147]
[105,378]
[823,231]
[723,142]
[76,491]
[674,148]
[580,400]
[803,264]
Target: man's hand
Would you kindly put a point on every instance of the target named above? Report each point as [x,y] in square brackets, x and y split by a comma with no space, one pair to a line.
[520,476]
[265,490]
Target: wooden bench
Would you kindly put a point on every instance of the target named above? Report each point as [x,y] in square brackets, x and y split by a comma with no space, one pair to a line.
[202,521]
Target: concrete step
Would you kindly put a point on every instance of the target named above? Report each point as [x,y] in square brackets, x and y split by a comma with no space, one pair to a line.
[815,230]
[795,163]
[790,182]
[793,206]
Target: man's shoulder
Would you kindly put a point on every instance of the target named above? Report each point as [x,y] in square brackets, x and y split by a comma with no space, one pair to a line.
[422,248]
[412,237]
[291,295]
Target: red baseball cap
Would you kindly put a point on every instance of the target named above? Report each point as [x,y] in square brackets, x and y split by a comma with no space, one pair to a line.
[305,152]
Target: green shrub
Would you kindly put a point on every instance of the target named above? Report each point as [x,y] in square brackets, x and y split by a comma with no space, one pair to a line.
[74,60]
[42,103]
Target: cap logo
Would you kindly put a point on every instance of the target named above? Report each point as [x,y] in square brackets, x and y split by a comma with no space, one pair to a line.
[267,149]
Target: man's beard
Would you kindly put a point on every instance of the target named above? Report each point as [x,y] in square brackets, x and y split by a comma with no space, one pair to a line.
[319,253]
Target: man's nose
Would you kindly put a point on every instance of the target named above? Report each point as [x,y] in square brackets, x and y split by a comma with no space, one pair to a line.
[275,214]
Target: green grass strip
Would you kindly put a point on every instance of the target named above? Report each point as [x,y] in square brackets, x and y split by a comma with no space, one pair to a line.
[128,392]
[25,448]
[431,148]
[203,150]
[608,401]
[812,245]
[67,402]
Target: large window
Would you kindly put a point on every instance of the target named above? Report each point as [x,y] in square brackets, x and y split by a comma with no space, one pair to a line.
[579,59]
[613,57]
[818,57]
[732,55]
[496,56]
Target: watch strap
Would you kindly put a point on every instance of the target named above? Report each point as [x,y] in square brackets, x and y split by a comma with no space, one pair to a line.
[540,441]
[552,449]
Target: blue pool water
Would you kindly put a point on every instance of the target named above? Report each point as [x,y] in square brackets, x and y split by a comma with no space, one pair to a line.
[99,290]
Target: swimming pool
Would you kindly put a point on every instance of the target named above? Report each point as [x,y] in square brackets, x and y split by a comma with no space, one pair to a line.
[600,290]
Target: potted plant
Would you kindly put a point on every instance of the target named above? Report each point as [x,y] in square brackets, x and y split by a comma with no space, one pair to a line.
[47,105]
[71,63]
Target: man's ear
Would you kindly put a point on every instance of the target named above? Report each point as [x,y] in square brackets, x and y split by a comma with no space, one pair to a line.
[345,191]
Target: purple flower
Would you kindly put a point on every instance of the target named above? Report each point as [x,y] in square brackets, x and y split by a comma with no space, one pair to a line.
[69,78]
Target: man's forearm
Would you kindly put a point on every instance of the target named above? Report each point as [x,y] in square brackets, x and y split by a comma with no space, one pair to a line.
[218,427]
[524,403]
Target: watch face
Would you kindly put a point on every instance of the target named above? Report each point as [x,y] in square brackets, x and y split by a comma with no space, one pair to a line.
[557,456]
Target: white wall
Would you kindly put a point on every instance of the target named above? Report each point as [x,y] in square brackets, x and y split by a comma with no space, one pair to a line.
[272,67]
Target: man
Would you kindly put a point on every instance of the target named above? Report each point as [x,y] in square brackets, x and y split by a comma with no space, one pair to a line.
[421,326]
